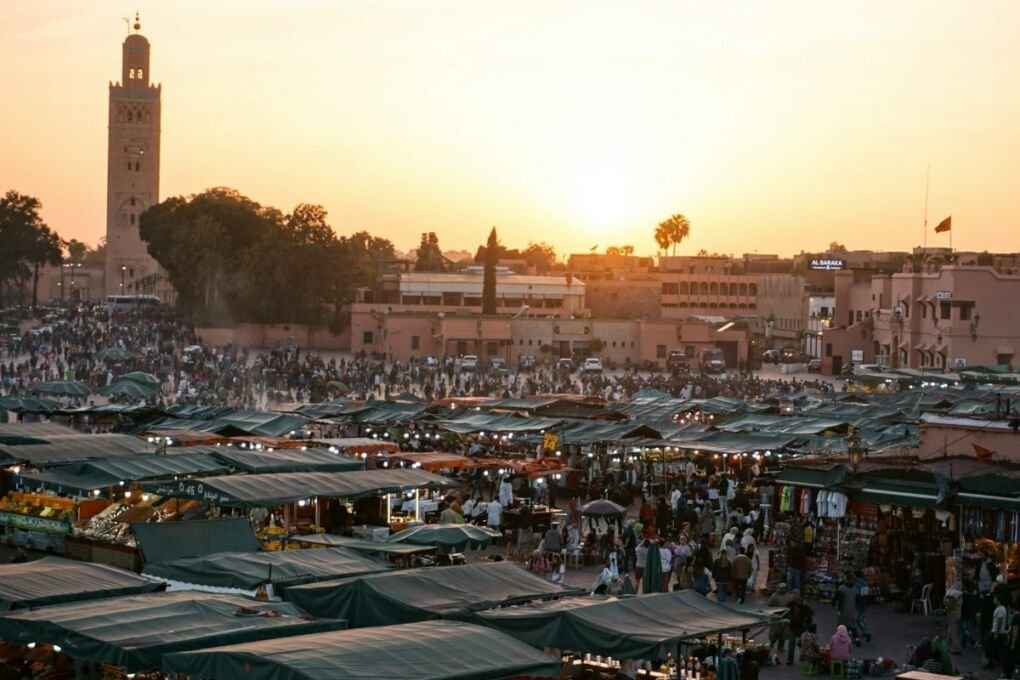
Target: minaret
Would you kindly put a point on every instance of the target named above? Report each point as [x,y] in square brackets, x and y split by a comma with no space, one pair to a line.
[132,174]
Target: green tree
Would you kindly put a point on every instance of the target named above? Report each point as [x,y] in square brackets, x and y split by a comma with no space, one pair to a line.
[27,242]
[76,251]
[541,256]
[492,250]
[837,247]
[672,232]
[430,257]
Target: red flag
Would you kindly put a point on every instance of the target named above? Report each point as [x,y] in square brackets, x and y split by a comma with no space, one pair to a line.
[982,453]
[945,225]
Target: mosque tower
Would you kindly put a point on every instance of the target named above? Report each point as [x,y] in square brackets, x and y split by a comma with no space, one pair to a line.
[132,174]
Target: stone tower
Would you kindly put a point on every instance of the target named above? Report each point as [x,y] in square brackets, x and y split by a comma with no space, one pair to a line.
[132,173]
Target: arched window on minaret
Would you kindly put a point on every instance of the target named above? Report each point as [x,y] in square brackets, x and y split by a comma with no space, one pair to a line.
[139,76]
[131,74]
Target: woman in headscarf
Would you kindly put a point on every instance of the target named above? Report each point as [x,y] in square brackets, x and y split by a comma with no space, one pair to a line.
[841,646]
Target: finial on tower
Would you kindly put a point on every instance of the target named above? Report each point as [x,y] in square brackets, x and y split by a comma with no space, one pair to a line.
[138,22]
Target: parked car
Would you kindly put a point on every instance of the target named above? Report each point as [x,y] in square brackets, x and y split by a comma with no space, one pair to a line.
[469,362]
[814,366]
[592,365]
[677,360]
[711,361]
[497,363]
[565,364]
[770,356]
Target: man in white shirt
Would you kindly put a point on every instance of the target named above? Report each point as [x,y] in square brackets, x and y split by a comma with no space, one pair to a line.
[495,519]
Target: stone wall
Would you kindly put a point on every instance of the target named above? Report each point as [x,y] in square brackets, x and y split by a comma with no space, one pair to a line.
[268,336]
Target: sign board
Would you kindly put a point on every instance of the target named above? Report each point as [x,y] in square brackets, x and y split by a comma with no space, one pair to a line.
[944,295]
[857,355]
[827,264]
[550,441]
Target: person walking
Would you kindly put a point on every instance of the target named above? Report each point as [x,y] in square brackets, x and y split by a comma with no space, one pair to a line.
[801,616]
[845,602]
[722,574]
[954,609]
[740,571]
[863,600]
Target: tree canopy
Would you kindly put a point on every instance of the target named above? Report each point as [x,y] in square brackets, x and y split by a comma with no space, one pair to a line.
[231,259]
[430,256]
[26,242]
[492,249]
[672,232]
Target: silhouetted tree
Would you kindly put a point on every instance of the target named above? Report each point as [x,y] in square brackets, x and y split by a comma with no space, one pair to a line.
[492,248]
[672,232]
[26,242]
[430,257]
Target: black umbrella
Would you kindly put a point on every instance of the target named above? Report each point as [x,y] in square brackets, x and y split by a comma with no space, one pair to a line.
[603,508]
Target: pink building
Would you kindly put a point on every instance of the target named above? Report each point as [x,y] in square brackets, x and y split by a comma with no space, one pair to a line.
[945,319]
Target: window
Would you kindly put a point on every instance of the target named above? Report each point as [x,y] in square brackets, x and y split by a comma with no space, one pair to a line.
[529,343]
[752,289]
[132,218]
[713,288]
[945,310]
[367,337]
[670,289]
[965,311]
[743,289]
[132,200]
[138,166]
[614,343]
[924,311]
[733,289]
[131,75]
[415,342]
[703,289]
[828,349]
[660,351]
[684,288]
[138,74]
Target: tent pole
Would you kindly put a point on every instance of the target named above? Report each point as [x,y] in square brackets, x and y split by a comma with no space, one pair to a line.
[388,509]
[417,505]
[317,524]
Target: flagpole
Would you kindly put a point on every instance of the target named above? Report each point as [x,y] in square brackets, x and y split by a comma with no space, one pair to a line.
[927,175]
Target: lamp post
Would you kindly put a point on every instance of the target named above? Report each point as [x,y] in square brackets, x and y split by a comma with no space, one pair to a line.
[854,450]
[123,272]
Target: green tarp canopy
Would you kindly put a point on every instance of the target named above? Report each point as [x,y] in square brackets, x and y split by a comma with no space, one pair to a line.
[289,487]
[493,422]
[287,460]
[54,580]
[260,423]
[595,432]
[993,491]
[732,442]
[422,594]
[435,650]
[135,632]
[816,478]
[101,474]
[74,448]
[640,627]
[249,570]
[446,537]
[167,541]
[363,546]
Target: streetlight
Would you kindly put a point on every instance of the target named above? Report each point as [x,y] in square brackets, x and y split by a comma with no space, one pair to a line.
[123,271]
[854,450]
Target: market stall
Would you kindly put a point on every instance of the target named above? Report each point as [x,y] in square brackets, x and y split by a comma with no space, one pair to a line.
[434,650]
[54,580]
[134,632]
[429,593]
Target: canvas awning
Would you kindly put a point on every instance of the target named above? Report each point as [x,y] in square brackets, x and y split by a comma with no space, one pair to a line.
[289,487]
[435,650]
[287,460]
[54,580]
[363,546]
[434,460]
[100,474]
[74,448]
[428,593]
[641,627]
[136,631]
[166,541]
[245,572]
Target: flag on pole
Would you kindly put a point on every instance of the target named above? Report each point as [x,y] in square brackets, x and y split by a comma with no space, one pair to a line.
[982,453]
[945,225]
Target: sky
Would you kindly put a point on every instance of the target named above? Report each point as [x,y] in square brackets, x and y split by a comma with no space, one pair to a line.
[775,127]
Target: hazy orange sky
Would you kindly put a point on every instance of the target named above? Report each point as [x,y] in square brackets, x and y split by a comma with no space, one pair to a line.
[774,126]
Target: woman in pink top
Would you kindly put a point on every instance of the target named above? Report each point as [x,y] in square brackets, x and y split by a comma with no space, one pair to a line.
[841,645]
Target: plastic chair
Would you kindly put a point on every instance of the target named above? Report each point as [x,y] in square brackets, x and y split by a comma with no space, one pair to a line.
[808,668]
[838,668]
[924,601]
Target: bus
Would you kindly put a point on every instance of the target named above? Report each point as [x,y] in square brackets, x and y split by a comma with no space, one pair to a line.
[127,303]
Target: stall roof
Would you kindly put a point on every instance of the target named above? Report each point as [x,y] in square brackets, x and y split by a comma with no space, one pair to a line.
[640,627]
[288,487]
[167,541]
[261,423]
[135,632]
[287,460]
[74,448]
[434,460]
[435,650]
[494,422]
[428,593]
[361,545]
[100,474]
[247,571]
[358,444]
[54,580]
[815,478]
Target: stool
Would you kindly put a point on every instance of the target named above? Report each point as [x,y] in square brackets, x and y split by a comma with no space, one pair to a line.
[575,558]
[808,668]
[838,669]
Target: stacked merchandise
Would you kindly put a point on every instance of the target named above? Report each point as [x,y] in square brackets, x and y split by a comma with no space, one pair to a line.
[112,524]
[822,566]
[36,521]
[855,550]
[777,557]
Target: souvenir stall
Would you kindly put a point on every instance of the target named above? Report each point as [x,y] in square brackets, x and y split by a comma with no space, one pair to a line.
[989,525]
[42,521]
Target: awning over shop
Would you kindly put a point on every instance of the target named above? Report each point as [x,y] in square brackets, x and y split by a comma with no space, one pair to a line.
[136,631]
[992,491]
[435,650]
[355,445]
[247,571]
[816,478]
[492,422]
[287,460]
[100,474]
[74,448]
[641,627]
[422,594]
[290,487]
[166,541]
[363,546]
[54,580]
[891,493]
[434,460]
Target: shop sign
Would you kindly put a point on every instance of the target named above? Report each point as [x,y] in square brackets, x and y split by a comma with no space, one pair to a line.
[857,355]
[550,441]
[944,295]
[827,264]
[192,489]
[33,523]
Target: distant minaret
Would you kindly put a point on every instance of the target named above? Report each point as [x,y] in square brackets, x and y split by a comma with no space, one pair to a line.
[132,174]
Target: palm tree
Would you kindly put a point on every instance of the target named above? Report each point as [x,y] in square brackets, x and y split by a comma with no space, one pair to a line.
[672,232]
